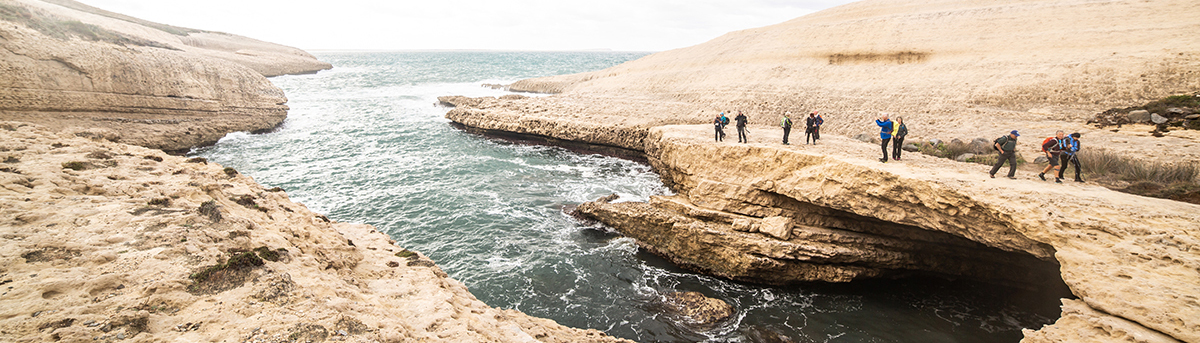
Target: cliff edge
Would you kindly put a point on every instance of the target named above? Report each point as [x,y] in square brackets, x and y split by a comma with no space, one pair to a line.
[69,65]
[102,241]
[769,213]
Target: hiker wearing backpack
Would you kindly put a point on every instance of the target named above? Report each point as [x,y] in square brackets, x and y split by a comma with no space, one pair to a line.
[719,123]
[1007,146]
[1051,148]
[741,127]
[786,123]
[885,134]
[898,138]
[812,127]
[1069,146]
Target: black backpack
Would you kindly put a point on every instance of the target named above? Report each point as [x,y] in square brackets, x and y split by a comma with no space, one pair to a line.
[998,142]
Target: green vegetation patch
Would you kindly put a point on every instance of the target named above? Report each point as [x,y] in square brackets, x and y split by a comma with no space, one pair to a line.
[248,202]
[405,254]
[211,210]
[225,276]
[230,171]
[270,255]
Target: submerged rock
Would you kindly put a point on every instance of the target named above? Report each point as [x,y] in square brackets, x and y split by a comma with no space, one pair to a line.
[698,310]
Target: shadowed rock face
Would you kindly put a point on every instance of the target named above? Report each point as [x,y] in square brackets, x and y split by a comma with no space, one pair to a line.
[80,67]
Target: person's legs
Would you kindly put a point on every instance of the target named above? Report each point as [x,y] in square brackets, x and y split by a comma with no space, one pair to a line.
[999,162]
[1012,164]
[786,131]
[816,134]
[807,135]
[741,134]
[1063,159]
[896,145]
[883,144]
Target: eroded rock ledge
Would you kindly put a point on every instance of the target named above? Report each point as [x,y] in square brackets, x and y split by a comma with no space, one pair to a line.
[102,241]
[1127,258]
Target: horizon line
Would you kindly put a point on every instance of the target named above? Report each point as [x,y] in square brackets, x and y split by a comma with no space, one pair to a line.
[474,50]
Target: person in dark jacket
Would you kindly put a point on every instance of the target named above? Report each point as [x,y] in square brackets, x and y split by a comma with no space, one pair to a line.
[786,123]
[1069,146]
[898,138]
[741,127]
[1007,145]
[719,123]
[812,127]
[885,134]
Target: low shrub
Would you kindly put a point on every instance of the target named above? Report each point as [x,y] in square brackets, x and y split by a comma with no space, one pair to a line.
[1103,162]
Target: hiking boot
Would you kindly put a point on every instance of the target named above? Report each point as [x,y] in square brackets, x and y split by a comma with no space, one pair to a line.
[1079,180]
[992,175]
[1012,177]
[1057,180]
[1042,176]
[884,160]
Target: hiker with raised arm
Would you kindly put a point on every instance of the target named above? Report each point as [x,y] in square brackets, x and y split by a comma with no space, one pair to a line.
[741,127]
[1051,148]
[885,134]
[1007,146]
[786,123]
[1070,148]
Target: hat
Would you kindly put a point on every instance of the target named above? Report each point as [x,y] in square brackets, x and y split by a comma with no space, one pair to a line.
[1014,133]
[1075,135]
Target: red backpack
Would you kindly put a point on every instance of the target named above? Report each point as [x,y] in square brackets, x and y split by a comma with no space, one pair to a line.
[1049,144]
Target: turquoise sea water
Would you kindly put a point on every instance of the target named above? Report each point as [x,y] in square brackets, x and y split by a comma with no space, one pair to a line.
[365,142]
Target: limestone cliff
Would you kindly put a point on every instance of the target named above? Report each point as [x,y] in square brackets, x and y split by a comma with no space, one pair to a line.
[68,65]
[765,212]
[102,241]
[952,68]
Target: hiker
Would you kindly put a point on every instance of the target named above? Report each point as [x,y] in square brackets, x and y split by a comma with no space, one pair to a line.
[1070,148]
[786,123]
[1051,148]
[885,134]
[719,123]
[812,127]
[898,138]
[1007,146]
[741,126]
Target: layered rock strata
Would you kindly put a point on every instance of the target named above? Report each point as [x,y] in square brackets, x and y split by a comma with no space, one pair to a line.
[102,241]
[67,65]
[847,216]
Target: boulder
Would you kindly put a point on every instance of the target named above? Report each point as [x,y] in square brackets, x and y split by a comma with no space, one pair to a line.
[935,142]
[1157,119]
[1139,116]
[1192,117]
[964,157]
[1175,111]
[910,147]
[981,145]
[865,137]
[956,141]
[1041,159]
[743,225]
[778,227]
[698,310]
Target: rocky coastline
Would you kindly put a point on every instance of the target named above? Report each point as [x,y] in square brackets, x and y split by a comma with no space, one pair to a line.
[106,241]
[69,66]
[769,213]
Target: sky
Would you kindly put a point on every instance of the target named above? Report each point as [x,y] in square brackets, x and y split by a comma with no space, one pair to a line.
[621,25]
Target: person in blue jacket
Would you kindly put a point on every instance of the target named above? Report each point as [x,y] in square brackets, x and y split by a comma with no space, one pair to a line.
[1070,148]
[719,123]
[885,133]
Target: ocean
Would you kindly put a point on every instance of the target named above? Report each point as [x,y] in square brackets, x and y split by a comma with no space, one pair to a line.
[366,142]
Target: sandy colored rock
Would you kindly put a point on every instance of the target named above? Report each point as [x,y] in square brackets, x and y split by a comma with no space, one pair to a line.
[778,227]
[147,86]
[951,68]
[697,310]
[144,246]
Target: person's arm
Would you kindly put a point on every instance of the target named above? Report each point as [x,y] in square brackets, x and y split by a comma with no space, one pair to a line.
[999,147]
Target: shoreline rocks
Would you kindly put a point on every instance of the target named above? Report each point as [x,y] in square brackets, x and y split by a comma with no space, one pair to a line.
[103,240]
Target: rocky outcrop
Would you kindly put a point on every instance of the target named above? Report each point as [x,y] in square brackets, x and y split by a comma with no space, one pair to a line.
[696,310]
[102,241]
[67,65]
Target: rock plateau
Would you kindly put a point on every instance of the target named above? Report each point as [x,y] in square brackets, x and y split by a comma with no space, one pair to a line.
[67,65]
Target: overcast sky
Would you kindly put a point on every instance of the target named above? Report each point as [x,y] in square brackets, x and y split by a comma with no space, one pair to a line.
[623,25]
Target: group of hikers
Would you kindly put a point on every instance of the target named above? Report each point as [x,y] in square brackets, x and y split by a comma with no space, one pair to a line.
[1060,149]
[812,130]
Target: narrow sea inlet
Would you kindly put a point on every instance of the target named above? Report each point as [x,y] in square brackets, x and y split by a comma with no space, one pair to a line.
[365,142]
